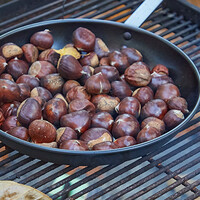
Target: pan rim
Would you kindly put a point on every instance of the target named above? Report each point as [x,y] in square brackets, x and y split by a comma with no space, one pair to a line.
[112,151]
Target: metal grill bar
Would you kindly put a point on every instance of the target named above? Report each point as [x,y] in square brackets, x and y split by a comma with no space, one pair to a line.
[194,50]
[136,173]
[194,42]
[9,159]
[194,196]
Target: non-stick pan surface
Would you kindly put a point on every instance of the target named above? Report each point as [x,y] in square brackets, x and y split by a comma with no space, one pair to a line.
[155,50]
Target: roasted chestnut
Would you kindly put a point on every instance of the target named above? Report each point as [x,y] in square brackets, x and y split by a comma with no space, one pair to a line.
[30,52]
[9,123]
[104,61]
[41,92]
[3,64]
[90,59]
[100,48]
[160,69]
[125,141]
[125,125]
[25,91]
[9,109]
[19,132]
[68,85]
[6,76]
[105,146]
[132,54]
[87,72]
[75,145]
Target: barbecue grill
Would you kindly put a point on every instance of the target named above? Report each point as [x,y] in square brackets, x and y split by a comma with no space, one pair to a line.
[170,172]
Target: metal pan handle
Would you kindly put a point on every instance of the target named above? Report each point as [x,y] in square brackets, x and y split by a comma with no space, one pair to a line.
[142,13]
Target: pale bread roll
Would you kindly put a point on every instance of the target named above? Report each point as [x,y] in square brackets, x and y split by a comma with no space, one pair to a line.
[10,190]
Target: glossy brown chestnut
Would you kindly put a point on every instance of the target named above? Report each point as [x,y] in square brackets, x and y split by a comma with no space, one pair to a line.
[17,67]
[41,69]
[25,91]
[129,105]
[65,133]
[120,89]
[78,92]
[160,69]
[10,50]
[42,131]
[104,146]
[82,104]
[41,92]
[125,125]
[104,61]
[87,72]
[9,91]
[111,73]
[9,109]
[173,118]
[54,109]
[19,132]
[60,96]
[83,39]
[125,141]
[97,84]
[49,55]
[53,83]
[90,59]
[100,48]
[75,145]
[30,52]
[69,68]
[147,133]
[42,40]
[3,64]
[2,118]
[154,108]
[28,111]
[138,74]
[132,54]
[79,121]
[102,120]
[118,60]
[105,103]
[167,91]
[31,81]
[154,122]
[6,76]
[68,85]
[9,123]
[178,103]
[143,94]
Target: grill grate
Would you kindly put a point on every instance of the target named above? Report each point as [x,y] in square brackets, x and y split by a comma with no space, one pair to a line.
[170,172]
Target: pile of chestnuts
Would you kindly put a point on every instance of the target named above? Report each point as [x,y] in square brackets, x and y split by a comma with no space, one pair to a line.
[84,96]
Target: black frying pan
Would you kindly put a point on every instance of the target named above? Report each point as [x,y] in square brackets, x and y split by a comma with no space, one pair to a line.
[154,49]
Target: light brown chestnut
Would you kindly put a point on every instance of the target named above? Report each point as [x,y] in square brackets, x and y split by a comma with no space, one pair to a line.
[79,121]
[138,74]
[41,92]
[105,103]
[111,73]
[78,92]
[42,40]
[9,91]
[82,104]
[154,122]
[143,94]
[132,54]
[147,133]
[173,118]
[100,48]
[125,125]
[74,145]
[129,105]
[83,39]
[28,111]
[69,68]
[118,60]
[97,84]
[53,83]
[41,69]
[104,61]
[17,67]
[90,59]
[31,81]
[10,50]
[42,131]
[54,109]
[102,120]
[19,132]
[154,108]
[65,133]
[125,141]
[167,91]
[30,52]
